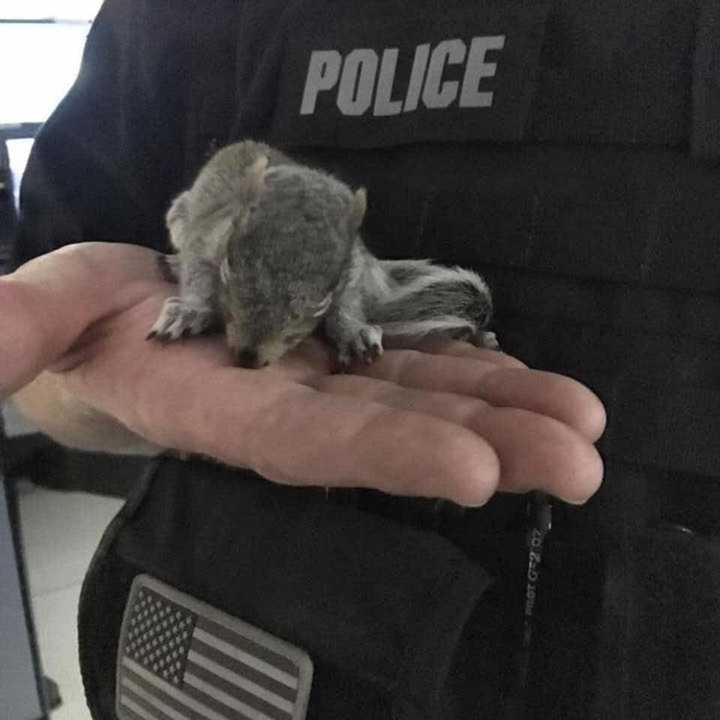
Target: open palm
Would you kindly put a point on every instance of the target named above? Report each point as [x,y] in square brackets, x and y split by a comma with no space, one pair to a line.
[443,419]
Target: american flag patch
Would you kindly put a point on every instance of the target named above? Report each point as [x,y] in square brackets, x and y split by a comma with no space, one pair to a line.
[181,659]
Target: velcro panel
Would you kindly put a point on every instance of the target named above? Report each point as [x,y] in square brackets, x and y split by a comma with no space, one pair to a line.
[380,74]
[385,72]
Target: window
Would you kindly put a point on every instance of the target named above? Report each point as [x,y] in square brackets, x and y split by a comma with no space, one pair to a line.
[41,45]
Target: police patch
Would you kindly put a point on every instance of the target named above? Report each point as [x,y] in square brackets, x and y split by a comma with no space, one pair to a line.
[181,659]
[384,73]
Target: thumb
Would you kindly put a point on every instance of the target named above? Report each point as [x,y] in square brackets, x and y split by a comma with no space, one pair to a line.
[48,303]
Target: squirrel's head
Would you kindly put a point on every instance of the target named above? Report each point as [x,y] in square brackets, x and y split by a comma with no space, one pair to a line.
[284,260]
[262,324]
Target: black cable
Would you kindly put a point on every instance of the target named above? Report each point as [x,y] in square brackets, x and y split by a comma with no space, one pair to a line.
[539,525]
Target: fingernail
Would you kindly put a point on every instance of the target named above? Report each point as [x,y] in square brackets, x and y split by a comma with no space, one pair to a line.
[575,502]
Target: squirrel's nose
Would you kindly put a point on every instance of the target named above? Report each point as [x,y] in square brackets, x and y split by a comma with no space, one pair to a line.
[248,358]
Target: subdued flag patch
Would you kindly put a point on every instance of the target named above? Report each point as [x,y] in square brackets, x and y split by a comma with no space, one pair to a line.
[182,659]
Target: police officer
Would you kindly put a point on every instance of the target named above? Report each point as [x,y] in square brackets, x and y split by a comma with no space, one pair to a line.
[439,112]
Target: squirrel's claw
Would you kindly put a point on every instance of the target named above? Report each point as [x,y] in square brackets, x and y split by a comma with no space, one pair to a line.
[368,344]
[179,318]
[365,345]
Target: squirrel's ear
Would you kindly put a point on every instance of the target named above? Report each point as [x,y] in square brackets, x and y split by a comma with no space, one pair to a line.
[358,208]
[256,178]
[322,307]
[256,173]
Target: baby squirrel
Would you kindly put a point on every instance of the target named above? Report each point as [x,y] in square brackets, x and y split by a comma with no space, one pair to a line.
[271,249]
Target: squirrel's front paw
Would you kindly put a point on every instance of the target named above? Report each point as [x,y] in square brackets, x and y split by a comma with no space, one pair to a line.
[180,318]
[365,345]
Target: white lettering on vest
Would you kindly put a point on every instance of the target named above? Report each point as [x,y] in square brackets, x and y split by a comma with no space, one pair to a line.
[355,78]
[323,73]
[357,82]
[477,69]
[417,76]
[383,103]
[438,94]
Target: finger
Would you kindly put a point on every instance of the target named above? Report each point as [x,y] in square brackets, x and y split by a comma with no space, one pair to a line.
[541,392]
[293,434]
[536,452]
[46,304]
[456,348]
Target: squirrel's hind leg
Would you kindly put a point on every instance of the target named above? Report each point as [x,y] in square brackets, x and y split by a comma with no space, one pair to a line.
[346,326]
[352,337]
[348,330]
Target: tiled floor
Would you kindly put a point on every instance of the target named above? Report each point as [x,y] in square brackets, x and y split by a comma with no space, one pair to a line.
[61,531]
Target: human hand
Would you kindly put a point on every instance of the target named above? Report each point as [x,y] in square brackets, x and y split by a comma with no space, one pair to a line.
[442,420]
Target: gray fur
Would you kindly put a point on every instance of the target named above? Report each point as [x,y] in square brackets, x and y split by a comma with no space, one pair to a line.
[271,249]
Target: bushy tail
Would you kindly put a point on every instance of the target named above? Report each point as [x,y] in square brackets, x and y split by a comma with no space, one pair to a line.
[421,299]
